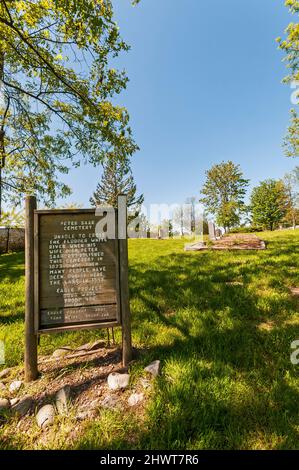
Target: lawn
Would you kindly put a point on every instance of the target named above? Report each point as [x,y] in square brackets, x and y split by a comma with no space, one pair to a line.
[221,323]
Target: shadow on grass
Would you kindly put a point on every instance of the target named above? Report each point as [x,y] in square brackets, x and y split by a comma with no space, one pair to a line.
[12,266]
[227,382]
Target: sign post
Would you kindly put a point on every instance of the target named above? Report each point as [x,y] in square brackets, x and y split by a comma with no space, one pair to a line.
[124,282]
[31,371]
[76,274]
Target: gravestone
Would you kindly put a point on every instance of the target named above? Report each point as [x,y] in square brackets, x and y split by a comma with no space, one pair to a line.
[212,231]
[218,233]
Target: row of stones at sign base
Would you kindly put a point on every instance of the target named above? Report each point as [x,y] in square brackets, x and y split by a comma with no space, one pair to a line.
[46,414]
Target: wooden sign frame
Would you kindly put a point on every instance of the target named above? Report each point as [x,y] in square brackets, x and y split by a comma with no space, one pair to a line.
[38,214]
[33,326]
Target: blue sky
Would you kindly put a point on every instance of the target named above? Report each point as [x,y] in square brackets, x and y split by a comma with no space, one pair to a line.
[205,86]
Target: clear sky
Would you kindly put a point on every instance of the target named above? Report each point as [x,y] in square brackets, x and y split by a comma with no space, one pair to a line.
[205,86]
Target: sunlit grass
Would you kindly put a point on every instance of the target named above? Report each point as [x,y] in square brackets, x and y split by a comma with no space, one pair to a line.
[221,323]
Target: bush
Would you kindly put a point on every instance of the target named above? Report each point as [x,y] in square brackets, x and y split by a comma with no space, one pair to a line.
[250,229]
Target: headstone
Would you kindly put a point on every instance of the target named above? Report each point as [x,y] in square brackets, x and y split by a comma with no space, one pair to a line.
[212,231]
[218,233]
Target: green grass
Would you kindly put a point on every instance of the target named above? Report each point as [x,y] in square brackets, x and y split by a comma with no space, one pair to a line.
[221,323]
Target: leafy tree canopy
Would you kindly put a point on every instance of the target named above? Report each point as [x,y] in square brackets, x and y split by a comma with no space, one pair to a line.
[290,45]
[269,203]
[57,85]
[224,192]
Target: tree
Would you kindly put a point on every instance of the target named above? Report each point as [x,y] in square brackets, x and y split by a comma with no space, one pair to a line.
[269,204]
[224,191]
[290,45]
[13,219]
[117,179]
[56,87]
[291,182]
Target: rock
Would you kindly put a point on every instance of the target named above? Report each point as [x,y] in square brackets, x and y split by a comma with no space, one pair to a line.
[60,352]
[91,346]
[118,381]
[23,406]
[4,404]
[15,386]
[13,401]
[153,368]
[45,416]
[82,415]
[2,386]
[62,399]
[110,402]
[4,373]
[135,398]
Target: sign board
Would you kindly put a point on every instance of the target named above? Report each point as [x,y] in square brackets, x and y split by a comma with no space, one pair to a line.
[76,265]
[76,272]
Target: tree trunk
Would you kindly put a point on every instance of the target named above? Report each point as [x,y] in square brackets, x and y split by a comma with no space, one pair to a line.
[2,133]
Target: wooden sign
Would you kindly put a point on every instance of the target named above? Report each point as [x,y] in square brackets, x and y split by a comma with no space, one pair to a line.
[76,272]
[76,275]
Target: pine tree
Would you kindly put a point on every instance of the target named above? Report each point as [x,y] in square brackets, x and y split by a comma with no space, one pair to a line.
[117,179]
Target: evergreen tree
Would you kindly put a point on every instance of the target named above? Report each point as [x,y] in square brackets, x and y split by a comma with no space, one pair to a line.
[117,179]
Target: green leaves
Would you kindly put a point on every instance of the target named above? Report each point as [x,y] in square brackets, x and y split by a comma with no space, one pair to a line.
[224,192]
[269,203]
[290,45]
[57,84]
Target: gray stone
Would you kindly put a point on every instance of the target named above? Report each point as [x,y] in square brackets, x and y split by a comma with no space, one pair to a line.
[153,368]
[4,404]
[45,416]
[13,401]
[2,386]
[118,381]
[60,352]
[15,386]
[62,399]
[110,402]
[93,346]
[82,415]
[23,406]
[4,373]
[135,398]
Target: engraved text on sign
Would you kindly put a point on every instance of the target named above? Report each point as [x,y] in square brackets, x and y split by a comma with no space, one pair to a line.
[78,272]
